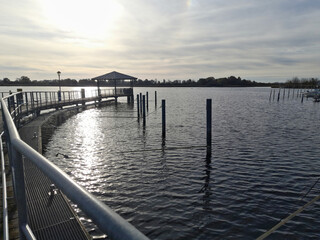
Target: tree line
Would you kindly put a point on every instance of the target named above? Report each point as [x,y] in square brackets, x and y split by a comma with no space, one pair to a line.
[202,82]
[231,81]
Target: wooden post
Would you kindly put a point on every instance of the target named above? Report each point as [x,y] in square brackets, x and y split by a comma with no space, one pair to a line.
[163,118]
[209,124]
[289,93]
[292,93]
[147,101]
[284,93]
[270,95]
[302,98]
[140,103]
[138,106]
[279,94]
[144,110]
[274,93]
[155,98]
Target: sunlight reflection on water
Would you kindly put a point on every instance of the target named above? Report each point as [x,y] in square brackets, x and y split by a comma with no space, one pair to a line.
[264,157]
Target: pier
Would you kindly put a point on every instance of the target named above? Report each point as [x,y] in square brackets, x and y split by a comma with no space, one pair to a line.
[42,191]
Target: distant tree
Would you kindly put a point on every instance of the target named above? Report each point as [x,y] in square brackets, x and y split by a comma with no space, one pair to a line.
[6,80]
[23,80]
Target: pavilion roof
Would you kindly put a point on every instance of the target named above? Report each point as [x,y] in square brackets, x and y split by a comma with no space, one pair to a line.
[114,76]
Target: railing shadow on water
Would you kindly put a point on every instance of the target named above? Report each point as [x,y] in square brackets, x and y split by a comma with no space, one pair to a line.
[14,107]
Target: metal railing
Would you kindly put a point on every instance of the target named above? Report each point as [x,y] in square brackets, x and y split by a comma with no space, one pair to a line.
[4,194]
[105,218]
[20,104]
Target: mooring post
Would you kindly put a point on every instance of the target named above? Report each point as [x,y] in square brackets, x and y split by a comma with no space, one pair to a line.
[279,94]
[274,93]
[155,98]
[140,103]
[209,124]
[138,106]
[144,110]
[163,118]
[284,93]
[289,93]
[302,95]
[270,95]
[147,94]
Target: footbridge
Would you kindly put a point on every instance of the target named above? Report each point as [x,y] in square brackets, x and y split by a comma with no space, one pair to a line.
[42,190]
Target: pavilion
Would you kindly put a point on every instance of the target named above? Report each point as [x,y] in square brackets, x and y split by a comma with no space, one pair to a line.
[115,76]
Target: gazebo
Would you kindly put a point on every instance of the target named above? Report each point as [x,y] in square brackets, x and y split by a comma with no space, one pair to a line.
[115,76]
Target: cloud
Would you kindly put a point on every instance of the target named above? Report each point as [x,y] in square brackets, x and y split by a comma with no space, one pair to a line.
[172,39]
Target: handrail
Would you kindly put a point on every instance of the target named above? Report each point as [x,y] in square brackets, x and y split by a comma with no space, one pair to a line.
[4,194]
[104,217]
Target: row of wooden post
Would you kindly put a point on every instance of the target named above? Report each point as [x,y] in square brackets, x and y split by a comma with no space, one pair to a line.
[143,105]
[273,94]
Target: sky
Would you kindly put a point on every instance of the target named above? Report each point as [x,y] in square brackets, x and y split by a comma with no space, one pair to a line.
[264,41]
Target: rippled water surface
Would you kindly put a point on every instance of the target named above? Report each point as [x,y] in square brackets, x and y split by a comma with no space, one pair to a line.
[265,156]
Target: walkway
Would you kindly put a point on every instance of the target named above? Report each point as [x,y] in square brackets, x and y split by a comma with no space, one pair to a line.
[50,215]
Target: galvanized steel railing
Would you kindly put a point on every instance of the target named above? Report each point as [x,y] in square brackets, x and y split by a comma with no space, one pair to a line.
[4,194]
[105,218]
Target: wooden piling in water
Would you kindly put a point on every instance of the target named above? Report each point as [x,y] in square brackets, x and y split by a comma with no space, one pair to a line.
[155,98]
[144,110]
[270,95]
[147,94]
[140,103]
[209,124]
[138,106]
[274,93]
[279,95]
[163,118]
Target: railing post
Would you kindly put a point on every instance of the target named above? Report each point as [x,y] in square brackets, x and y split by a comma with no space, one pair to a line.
[32,100]
[83,96]
[37,99]
[27,103]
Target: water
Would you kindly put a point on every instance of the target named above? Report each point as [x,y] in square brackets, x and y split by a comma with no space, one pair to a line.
[265,156]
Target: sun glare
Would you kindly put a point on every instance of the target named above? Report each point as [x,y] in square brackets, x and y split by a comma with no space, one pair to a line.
[85,18]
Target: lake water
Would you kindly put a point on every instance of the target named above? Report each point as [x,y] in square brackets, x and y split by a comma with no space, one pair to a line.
[265,157]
